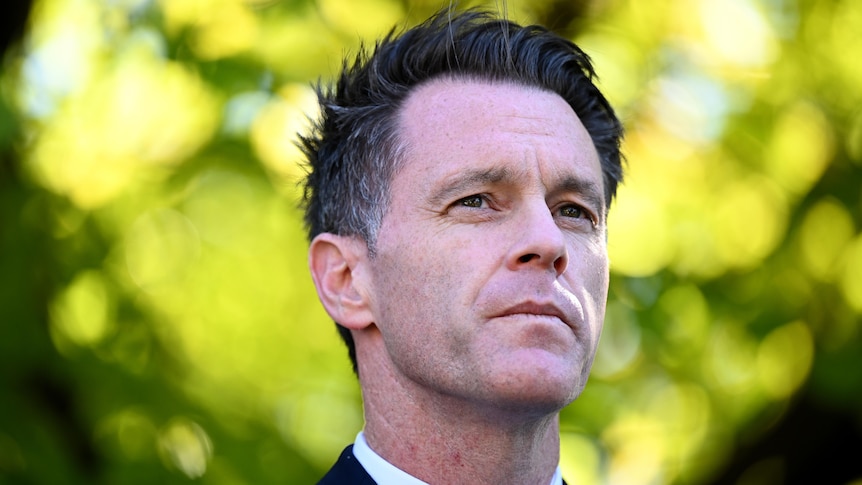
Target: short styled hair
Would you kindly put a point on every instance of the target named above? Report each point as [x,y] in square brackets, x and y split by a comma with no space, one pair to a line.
[353,149]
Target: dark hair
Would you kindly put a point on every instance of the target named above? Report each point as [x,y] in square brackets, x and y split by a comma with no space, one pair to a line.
[353,149]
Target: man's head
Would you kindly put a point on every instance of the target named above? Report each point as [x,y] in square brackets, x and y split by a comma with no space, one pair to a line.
[358,146]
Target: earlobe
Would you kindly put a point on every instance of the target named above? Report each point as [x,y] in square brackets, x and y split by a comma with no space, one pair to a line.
[337,264]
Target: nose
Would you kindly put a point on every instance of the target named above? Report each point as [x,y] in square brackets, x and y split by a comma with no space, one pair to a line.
[539,242]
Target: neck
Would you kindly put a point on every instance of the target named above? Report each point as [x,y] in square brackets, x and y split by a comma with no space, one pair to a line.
[447,440]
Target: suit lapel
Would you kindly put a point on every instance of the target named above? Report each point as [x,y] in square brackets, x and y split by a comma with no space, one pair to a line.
[347,471]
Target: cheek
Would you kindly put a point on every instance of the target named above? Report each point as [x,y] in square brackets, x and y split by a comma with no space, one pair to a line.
[590,275]
[417,315]
[424,287]
[588,262]
[410,289]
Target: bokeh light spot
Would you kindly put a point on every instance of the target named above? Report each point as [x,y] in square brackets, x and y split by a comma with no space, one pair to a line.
[217,18]
[274,134]
[784,359]
[730,359]
[638,444]
[129,431]
[83,313]
[751,218]
[299,45]
[851,278]
[365,19]
[825,232]
[65,56]
[613,55]
[186,446]
[801,147]
[686,321]
[639,244]
[241,110]
[737,31]
[690,106]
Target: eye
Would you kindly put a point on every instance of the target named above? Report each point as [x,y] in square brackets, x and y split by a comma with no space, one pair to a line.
[475,201]
[577,213]
[573,211]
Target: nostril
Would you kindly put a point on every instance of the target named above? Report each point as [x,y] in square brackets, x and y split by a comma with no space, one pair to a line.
[527,258]
[560,265]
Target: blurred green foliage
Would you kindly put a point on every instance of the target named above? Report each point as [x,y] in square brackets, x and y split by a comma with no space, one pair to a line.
[158,325]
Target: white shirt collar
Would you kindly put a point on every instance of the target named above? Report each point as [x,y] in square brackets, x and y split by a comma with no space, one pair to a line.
[385,473]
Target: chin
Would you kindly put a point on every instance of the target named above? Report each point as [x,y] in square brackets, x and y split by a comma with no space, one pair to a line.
[532,405]
[541,389]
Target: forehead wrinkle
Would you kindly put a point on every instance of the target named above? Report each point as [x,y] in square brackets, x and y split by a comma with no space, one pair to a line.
[571,182]
[532,125]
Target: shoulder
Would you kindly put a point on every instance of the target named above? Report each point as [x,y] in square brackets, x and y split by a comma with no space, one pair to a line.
[347,471]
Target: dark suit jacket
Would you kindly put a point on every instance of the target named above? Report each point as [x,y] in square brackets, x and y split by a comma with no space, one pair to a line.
[348,471]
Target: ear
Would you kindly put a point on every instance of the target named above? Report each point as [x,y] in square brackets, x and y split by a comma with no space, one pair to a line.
[338,264]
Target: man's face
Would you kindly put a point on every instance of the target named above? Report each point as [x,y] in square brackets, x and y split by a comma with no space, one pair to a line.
[490,272]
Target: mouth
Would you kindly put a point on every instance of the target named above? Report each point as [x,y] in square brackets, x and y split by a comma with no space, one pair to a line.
[542,310]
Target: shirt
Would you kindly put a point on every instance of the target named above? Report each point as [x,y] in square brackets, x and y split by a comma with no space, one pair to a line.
[385,473]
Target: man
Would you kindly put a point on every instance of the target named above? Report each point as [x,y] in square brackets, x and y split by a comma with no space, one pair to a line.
[456,201]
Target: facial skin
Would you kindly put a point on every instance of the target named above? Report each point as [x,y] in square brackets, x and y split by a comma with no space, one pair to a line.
[489,276]
[477,312]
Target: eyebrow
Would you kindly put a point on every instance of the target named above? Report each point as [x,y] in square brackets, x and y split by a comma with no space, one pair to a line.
[466,180]
[588,190]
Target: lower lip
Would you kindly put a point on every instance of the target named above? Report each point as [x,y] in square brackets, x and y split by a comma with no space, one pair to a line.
[535,317]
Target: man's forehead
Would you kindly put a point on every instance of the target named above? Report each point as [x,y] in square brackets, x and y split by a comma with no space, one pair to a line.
[428,99]
[460,115]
